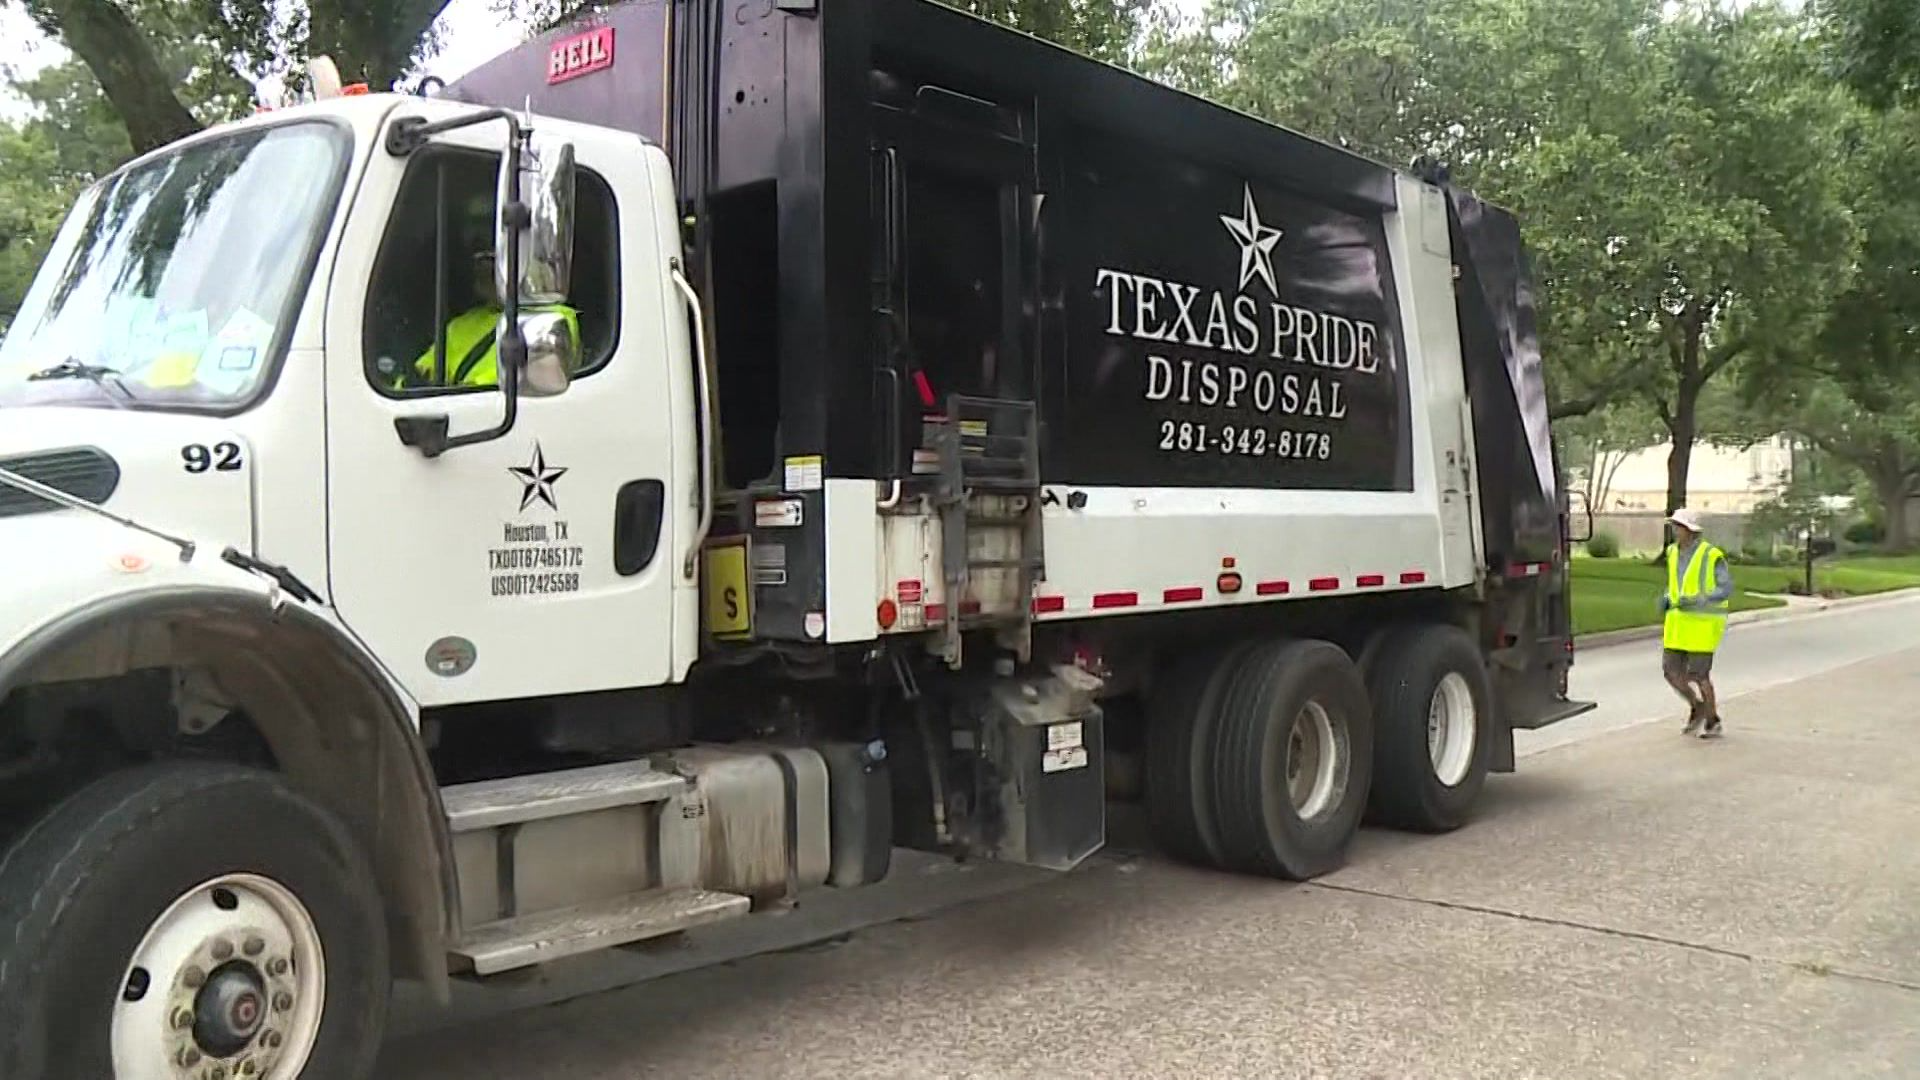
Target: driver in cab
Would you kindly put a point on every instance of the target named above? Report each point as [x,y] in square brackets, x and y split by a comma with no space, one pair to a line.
[473,347]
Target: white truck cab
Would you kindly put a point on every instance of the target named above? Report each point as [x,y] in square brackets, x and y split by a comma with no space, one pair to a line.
[253,398]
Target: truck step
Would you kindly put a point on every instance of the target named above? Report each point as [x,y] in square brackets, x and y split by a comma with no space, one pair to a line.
[515,800]
[537,939]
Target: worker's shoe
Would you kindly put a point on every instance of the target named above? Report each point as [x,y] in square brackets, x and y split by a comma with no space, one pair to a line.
[1696,717]
[1711,730]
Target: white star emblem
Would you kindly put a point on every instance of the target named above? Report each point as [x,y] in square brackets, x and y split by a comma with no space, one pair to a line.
[537,480]
[1256,244]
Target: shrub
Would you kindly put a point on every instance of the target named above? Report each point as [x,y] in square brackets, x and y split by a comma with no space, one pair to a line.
[1865,532]
[1604,545]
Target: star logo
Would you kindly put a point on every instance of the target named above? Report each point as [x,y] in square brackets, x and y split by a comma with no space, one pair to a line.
[536,481]
[1256,243]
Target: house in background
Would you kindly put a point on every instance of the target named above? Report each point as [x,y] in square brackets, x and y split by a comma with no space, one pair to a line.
[1720,480]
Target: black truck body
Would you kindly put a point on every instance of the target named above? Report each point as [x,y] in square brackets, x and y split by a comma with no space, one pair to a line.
[889,202]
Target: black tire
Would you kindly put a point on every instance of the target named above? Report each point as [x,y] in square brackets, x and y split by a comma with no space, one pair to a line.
[1408,792]
[1179,725]
[1261,830]
[81,888]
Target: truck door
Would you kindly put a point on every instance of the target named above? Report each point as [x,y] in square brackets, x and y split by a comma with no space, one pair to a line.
[953,273]
[543,562]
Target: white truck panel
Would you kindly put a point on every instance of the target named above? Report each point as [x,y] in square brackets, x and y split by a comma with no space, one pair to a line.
[1418,239]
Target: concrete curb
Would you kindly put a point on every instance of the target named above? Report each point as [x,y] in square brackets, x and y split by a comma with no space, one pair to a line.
[1795,608]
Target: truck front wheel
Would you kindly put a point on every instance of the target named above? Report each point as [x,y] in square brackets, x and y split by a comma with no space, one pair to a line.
[1291,759]
[1431,699]
[188,920]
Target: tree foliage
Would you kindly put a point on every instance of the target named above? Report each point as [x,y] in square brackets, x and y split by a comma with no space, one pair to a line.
[1672,164]
[30,211]
[134,48]
[1876,47]
[1855,393]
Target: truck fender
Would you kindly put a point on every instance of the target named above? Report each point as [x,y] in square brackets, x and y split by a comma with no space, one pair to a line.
[336,726]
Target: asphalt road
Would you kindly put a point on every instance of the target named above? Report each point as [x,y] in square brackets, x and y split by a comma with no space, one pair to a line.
[1630,904]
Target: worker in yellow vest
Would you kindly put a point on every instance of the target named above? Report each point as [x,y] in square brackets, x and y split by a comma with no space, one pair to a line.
[1699,595]
[473,348]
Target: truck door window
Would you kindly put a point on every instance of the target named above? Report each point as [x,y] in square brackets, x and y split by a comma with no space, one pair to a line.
[435,271]
[955,281]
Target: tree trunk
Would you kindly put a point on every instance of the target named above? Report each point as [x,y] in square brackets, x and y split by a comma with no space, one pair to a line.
[1615,460]
[1683,427]
[1683,420]
[1893,487]
[123,61]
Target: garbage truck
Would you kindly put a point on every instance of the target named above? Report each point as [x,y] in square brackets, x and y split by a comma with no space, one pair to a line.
[651,480]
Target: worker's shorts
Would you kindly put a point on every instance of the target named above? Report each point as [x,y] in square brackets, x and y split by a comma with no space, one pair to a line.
[1690,665]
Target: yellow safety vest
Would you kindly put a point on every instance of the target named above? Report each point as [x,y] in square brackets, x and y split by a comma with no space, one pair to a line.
[1700,630]
[468,364]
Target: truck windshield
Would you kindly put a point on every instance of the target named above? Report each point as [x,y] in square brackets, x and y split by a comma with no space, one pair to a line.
[174,283]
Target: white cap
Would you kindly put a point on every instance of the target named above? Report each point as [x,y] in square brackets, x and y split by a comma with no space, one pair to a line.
[1687,519]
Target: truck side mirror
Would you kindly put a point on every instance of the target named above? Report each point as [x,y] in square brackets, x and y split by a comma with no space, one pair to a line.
[553,353]
[546,233]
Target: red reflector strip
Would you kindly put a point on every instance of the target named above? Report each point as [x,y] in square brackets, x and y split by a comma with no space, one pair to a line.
[1413,577]
[1526,569]
[1184,596]
[936,613]
[1043,605]
[1114,600]
[969,607]
[1369,581]
[1324,584]
[921,384]
[1273,588]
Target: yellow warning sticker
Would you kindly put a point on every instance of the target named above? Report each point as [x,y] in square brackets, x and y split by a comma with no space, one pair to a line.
[729,596]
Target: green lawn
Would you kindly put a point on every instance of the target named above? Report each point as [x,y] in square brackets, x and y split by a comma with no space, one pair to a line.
[1614,594]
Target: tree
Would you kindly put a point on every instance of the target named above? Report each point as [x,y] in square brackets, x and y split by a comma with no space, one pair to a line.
[125,61]
[1737,250]
[1857,396]
[1510,95]
[1103,29]
[1598,443]
[1876,46]
[132,47]
[30,211]
[73,137]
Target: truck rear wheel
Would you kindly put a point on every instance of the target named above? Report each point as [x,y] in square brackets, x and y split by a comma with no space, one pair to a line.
[1432,702]
[1179,729]
[189,920]
[1291,758]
